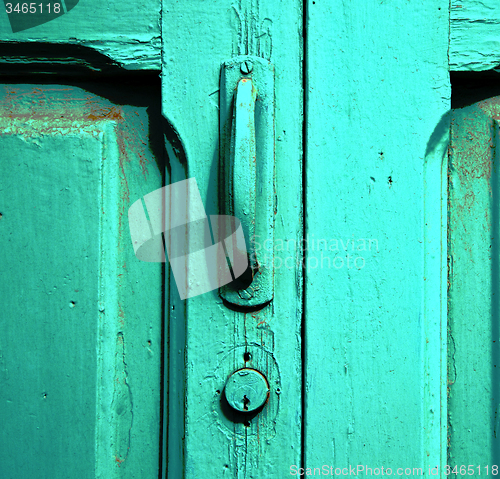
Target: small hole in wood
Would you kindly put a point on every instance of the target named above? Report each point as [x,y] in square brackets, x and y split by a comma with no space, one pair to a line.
[247,356]
[246,423]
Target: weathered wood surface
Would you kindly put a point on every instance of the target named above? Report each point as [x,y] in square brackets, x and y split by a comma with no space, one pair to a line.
[473,341]
[107,28]
[474,35]
[375,393]
[375,312]
[208,340]
[127,32]
[80,323]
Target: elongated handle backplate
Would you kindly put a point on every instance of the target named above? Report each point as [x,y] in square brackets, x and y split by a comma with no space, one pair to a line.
[247,172]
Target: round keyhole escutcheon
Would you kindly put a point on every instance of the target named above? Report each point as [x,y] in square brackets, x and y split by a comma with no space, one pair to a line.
[246,390]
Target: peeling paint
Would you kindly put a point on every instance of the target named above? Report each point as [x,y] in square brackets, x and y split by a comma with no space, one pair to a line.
[122,405]
[473,282]
[474,44]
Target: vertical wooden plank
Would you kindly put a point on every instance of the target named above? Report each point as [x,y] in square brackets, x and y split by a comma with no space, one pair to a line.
[377,96]
[81,321]
[473,295]
[202,36]
[48,366]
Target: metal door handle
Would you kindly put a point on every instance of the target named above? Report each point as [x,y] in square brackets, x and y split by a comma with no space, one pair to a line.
[247,165]
[244,167]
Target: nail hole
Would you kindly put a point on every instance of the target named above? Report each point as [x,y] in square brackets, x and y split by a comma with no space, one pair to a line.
[226,466]
[44,395]
[149,342]
[72,304]
[1,216]
[247,356]
[218,391]
[246,423]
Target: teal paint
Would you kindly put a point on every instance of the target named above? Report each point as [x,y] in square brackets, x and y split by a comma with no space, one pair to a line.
[81,318]
[246,390]
[473,338]
[474,44]
[127,33]
[377,99]
[375,376]
[209,341]
[48,392]
[247,171]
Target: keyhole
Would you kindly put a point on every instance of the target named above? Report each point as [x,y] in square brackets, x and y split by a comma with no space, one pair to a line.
[246,390]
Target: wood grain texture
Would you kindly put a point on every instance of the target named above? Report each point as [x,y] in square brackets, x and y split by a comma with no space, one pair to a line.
[81,317]
[474,35]
[473,340]
[208,340]
[127,32]
[377,98]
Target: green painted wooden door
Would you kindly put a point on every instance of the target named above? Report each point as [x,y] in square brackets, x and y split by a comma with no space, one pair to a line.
[106,372]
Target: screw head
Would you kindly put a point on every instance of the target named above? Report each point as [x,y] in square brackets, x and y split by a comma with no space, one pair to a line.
[246,67]
[246,390]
